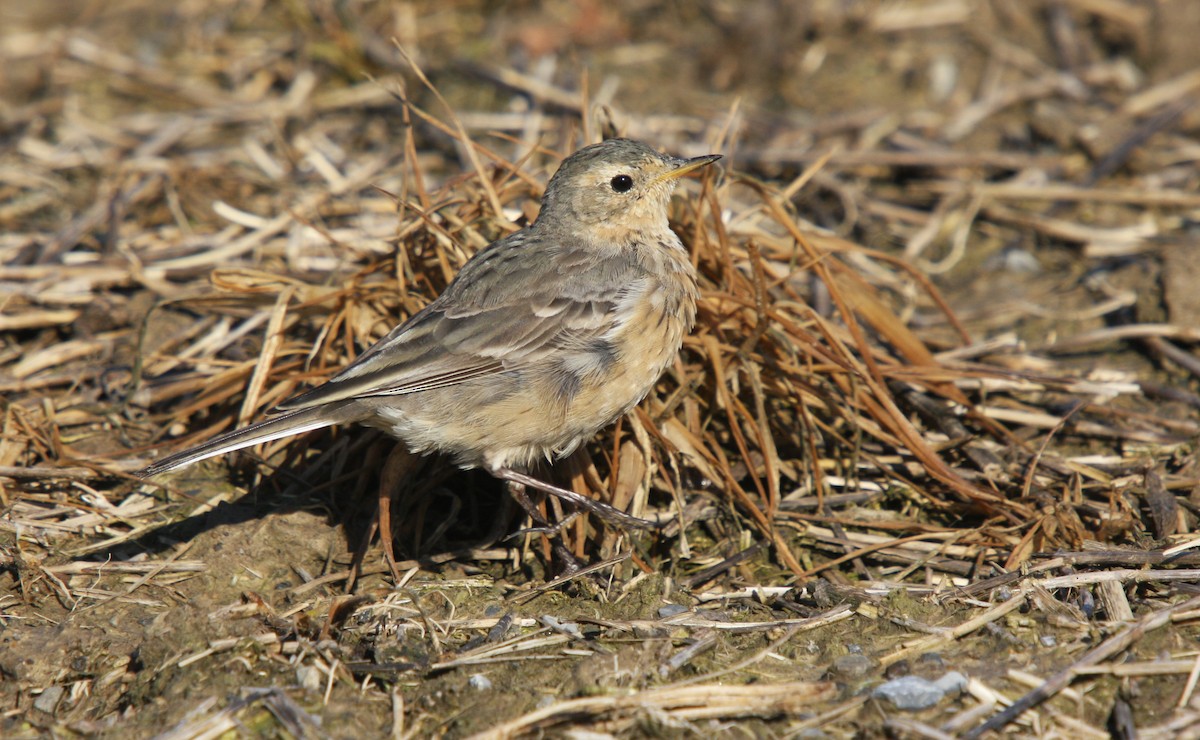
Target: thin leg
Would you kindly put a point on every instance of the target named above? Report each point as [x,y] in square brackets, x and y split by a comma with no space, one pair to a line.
[397,467]
[364,543]
[517,491]
[556,544]
[608,513]
[361,551]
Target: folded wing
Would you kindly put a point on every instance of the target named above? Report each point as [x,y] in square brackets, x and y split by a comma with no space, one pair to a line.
[508,310]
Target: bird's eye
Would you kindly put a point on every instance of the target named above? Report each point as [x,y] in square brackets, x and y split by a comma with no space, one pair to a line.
[621,183]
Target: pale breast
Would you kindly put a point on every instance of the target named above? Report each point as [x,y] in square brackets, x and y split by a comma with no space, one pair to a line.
[649,327]
[544,411]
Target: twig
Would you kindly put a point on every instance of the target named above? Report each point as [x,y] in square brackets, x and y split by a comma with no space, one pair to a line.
[1056,683]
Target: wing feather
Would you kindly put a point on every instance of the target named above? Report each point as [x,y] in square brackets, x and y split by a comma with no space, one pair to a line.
[518,302]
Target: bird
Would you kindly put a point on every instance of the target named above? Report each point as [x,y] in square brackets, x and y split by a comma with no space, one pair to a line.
[543,338]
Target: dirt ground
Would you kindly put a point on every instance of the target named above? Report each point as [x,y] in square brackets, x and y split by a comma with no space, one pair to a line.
[1005,192]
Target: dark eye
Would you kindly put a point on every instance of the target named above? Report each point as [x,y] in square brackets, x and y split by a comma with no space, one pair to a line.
[621,183]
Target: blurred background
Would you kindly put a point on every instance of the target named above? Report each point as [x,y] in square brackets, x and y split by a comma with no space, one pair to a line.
[100,97]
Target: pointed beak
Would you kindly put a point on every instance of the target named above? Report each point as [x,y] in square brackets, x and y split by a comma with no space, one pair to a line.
[684,166]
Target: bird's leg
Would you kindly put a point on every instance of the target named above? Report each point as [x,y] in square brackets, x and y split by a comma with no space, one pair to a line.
[364,542]
[608,513]
[517,490]
[397,467]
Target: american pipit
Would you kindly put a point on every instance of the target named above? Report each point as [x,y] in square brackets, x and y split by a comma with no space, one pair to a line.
[543,338]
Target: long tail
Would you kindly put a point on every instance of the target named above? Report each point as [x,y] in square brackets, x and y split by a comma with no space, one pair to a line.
[284,425]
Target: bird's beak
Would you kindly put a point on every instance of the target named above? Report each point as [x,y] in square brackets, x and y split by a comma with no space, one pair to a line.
[684,166]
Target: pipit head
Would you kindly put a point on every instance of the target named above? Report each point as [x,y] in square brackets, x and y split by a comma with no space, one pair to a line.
[614,187]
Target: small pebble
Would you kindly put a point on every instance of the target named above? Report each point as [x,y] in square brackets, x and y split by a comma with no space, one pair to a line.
[852,666]
[309,677]
[1048,640]
[952,682]
[933,660]
[671,610]
[1087,603]
[914,692]
[1018,260]
[479,682]
[909,692]
[48,699]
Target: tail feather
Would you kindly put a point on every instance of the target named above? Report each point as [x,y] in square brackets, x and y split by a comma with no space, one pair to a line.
[283,425]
